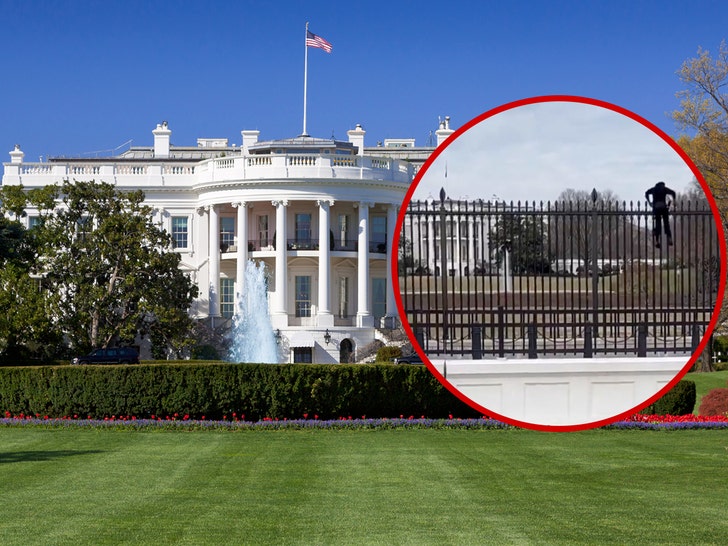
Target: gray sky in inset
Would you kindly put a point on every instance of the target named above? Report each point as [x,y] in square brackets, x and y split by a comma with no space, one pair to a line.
[534,152]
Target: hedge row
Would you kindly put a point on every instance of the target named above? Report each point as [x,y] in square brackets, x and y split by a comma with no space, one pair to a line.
[218,390]
[680,400]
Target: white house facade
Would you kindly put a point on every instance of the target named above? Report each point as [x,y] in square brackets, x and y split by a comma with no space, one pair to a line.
[318,213]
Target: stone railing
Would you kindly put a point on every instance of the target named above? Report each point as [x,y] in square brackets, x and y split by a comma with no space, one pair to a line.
[304,166]
[221,169]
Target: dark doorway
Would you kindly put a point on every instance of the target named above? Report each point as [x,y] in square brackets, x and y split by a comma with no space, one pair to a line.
[346,350]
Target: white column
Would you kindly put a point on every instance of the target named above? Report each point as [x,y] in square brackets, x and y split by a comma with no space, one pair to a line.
[241,255]
[471,245]
[457,237]
[199,240]
[214,255]
[363,311]
[324,315]
[279,315]
[392,254]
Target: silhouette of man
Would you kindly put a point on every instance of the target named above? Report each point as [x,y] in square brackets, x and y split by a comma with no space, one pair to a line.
[657,197]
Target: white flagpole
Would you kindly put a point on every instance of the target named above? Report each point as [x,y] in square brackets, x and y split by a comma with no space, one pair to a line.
[305,80]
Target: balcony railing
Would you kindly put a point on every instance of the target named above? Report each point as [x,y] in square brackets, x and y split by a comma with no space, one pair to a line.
[157,172]
[378,247]
[344,245]
[338,245]
[303,244]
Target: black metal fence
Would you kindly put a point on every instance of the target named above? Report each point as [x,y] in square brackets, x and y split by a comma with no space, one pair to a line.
[562,278]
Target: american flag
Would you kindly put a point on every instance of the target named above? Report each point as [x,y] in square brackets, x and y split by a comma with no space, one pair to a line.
[317,41]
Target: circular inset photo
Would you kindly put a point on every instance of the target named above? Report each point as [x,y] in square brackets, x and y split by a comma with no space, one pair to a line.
[561,263]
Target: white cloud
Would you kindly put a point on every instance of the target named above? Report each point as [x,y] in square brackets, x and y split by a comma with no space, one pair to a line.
[534,152]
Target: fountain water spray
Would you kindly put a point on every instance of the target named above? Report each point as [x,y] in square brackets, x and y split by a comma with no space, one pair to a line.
[252,334]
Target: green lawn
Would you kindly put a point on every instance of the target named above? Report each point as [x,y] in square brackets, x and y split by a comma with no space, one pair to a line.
[363,487]
[705,382]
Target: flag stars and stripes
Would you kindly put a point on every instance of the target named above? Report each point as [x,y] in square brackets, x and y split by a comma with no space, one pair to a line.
[317,41]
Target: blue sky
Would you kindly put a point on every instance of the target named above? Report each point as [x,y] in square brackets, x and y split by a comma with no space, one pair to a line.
[86,76]
[533,152]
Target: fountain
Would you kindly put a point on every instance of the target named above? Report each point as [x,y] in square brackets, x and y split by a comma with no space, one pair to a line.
[252,334]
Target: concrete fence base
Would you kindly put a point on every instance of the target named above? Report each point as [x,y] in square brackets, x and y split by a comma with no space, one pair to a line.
[560,391]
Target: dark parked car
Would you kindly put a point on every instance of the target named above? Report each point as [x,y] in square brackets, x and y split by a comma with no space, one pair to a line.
[113,355]
[413,358]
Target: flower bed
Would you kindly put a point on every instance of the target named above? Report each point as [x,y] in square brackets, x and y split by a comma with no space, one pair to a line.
[238,422]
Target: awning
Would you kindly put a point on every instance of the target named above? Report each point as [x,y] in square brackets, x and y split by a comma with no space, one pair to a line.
[301,339]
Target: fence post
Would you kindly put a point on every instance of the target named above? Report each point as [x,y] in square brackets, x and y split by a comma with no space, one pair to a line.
[642,339]
[588,348]
[443,265]
[477,341]
[420,338]
[595,266]
[501,333]
[532,341]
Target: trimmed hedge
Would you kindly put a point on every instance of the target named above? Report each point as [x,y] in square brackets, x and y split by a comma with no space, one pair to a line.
[680,400]
[215,391]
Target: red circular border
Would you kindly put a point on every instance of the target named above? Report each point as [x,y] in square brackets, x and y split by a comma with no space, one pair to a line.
[592,102]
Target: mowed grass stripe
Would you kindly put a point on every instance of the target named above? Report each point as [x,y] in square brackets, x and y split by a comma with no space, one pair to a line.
[363,487]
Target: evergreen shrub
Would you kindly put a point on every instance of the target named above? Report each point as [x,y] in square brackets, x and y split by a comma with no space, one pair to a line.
[680,400]
[217,390]
[388,353]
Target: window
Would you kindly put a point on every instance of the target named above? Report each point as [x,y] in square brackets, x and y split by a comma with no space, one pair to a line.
[303,296]
[379,230]
[379,297]
[262,231]
[303,355]
[180,231]
[343,235]
[227,232]
[303,227]
[83,227]
[343,297]
[33,221]
[227,297]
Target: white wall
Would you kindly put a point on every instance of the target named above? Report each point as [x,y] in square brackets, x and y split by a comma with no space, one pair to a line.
[560,391]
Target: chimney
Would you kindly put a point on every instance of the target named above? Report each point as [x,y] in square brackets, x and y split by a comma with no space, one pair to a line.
[250,137]
[17,155]
[161,140]
[444,131]
[356,137]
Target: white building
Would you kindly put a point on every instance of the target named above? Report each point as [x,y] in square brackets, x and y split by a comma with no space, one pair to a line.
[319,214]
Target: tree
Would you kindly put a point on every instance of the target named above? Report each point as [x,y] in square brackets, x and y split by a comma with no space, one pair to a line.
[703,114]
[13,200]
[26,329]
[406,258]
[112,272]
[523,237]
[570,235]
[13,240]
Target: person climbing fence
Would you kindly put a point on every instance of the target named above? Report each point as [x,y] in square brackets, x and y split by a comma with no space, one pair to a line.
[657,198]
